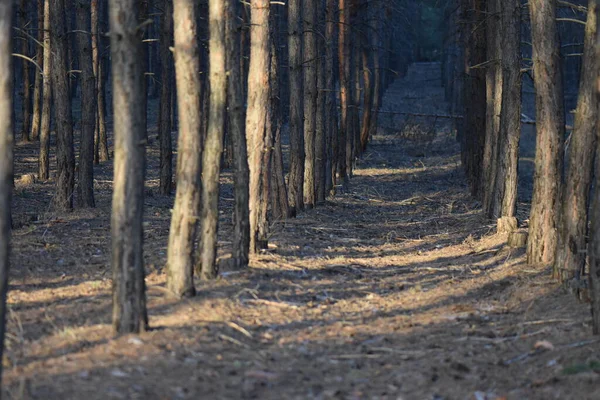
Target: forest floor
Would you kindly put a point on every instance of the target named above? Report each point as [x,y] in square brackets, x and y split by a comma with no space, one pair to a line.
[395,289]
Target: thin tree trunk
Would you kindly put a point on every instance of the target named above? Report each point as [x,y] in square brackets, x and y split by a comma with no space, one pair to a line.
[505,199]
[6,157]
[345,94]
[164,116]
[38,81]
[256,114]
[26,105]
[85,187]
[368,89]
[129,289]
[44,157]
[550,124]
[297,152]
[143,7]
[182,235]
[100,137]
[213,147]
[321,122]
[331,104]
[235,101]
[571,248]
[310,98]
[376,33]
[65,153]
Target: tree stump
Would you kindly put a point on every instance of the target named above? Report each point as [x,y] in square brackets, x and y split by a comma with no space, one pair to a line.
[506,225]
[517,239]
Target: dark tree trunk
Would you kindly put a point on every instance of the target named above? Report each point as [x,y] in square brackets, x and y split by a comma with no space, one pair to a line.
[213,147]
[571,248]
[345,92]
[321,121]
[129,289]
[65,153]
[38,81]
[44,157]
[506,182]
[6,157]
[85,187]
[100,137]
[26,105]
[184,220]
[331,103]
[164,116]
[256,114]
[550,124]
[310,98]
[235,101]
[366,53]
[297,154]
[143,7]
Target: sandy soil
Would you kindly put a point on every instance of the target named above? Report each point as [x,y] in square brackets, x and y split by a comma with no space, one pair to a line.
[395,289]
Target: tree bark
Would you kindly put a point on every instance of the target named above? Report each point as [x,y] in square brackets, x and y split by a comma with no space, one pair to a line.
[506,182]
[235,101]
[65,153]
[571,248]
[85,187]
[310,98]
[129,290]
[256,113]
[550,124]
[331,103]
[100,137]
[366,53]
[164,116]
[6,157]
[345,93]
[213,147]
[38,81]
[297,151]
[321,122]
[26,105]
[44,157]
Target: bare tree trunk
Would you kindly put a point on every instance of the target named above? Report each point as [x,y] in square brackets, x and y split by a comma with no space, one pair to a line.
[550,119]
[26,105]
[100,137]
[505,199]
[310,99]
[321,122]
[37,88]
[256,114]
[164,116]
[345,93]
[6,157]
[494,37]
[366,53]
[377,31]
[235,100]
[297,152]
[143,10]
[44,157]
[213,147]
[571,248]
[129,289]
[182,235]
[85,187]
[65,154]
[331,106]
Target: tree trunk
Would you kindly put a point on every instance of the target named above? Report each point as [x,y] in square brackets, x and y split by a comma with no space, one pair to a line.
[37,88]
[44,157]
[506,182]
[256,113]
[213,147]
[366,53]
[310,98]
[143,7]
[65,154]
[6,157]
[376,33]
[571,248]
[26,105]
[297,152]
[235,101]
[164,116]
[550,124]
[182,235]
[495,37]
[85,187]
[100,137]
[129,290]
[345,93]
[321,122]
[331,103]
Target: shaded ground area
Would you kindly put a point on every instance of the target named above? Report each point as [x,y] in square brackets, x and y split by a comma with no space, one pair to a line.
[395,289]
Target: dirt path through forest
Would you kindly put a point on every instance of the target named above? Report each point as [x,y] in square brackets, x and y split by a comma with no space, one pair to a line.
[395,289]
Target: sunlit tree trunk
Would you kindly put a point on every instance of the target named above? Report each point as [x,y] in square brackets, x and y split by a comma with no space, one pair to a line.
[65,153]
[6,157]
[297,155]
[309,12]
[213,147]
[235,101]
[129,290]
[571,248]
[44,156]
[321,122]
[164,116]
[550,125]
[85,186]
[184,220]
[256,113]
